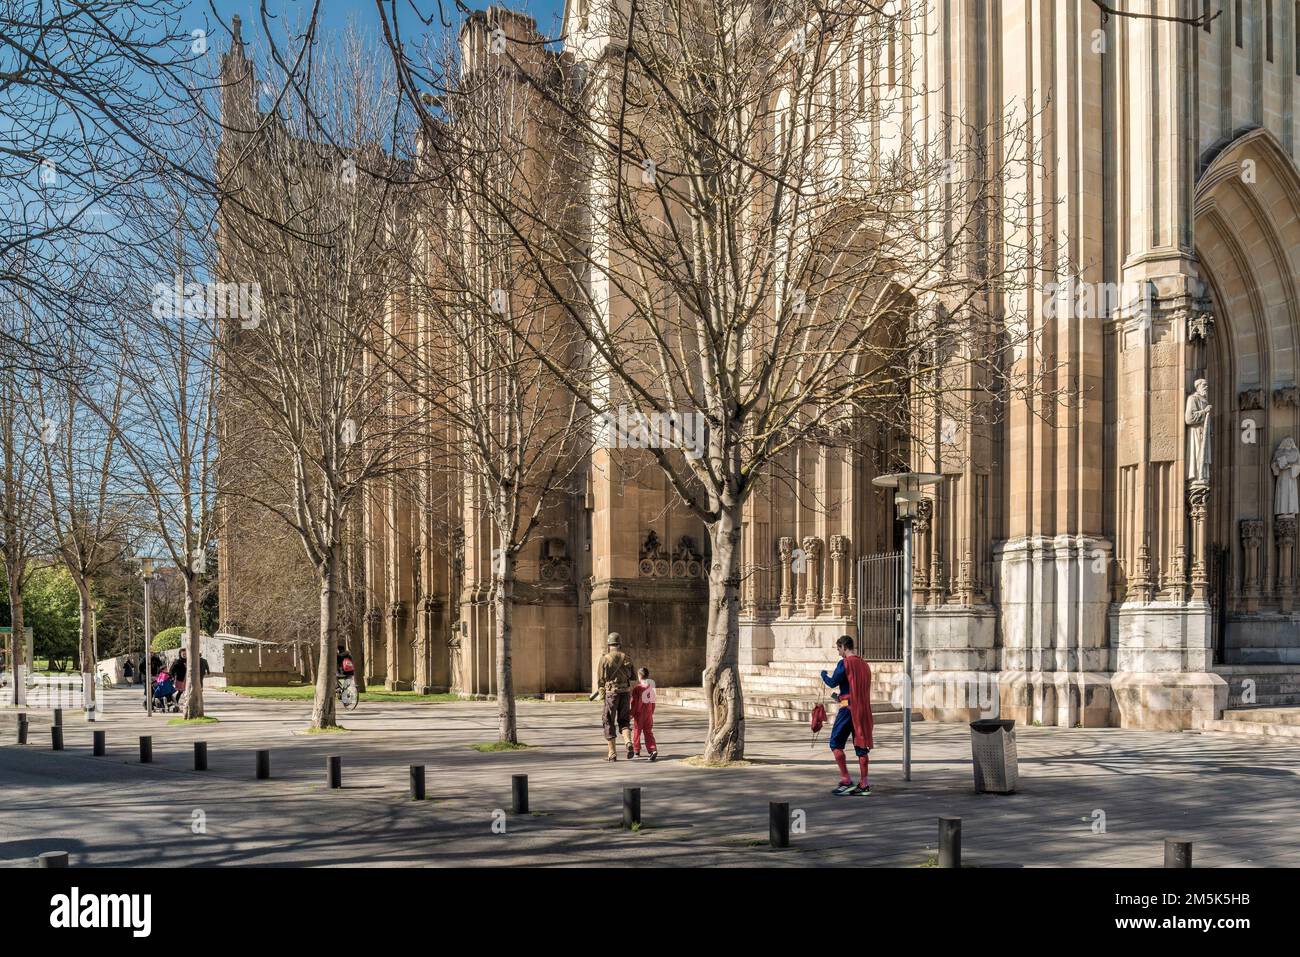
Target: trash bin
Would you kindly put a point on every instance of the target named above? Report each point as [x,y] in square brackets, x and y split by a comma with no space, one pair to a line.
[993,752]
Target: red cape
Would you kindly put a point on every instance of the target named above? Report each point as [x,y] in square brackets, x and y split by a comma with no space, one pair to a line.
[859,675]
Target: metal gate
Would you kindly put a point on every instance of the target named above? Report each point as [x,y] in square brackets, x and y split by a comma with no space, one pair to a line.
[880,607]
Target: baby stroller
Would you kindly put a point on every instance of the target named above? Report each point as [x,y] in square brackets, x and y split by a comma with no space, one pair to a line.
[165,695]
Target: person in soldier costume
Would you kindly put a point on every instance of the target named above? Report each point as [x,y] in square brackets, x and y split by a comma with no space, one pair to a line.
[614,678]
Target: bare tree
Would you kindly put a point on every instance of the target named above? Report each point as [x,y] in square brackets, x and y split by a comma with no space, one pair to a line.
[305,410]
[21,515]
[777,243]
[510,433]
[167,426]
[77,417]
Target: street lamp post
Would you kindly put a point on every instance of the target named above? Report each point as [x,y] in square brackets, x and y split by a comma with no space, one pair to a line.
[146,672]
[907,499]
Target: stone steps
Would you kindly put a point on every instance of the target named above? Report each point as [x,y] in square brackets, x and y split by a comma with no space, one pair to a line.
[1274,685]
[1264,715]
[782,707]
[1261,722]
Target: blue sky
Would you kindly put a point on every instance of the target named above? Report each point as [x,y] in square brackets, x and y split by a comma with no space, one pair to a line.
[336,14]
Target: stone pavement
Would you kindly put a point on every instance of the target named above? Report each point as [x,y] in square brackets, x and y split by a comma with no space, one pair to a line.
[1235,797]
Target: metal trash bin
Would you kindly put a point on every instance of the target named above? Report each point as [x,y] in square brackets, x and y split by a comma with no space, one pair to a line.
[993,752]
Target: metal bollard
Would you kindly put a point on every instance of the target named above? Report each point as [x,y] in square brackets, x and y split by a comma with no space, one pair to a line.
[200,755]
[146,749]
[263,765]
[58,717]
[56,738]
[52,859]
[334,768]
[417,782]
[519,793]
[100,744]
[778,823]
[631,806]
[22,729]
[950,842]
[1178,853]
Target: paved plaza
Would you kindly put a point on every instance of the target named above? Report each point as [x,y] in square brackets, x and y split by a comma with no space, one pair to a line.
[1236,797]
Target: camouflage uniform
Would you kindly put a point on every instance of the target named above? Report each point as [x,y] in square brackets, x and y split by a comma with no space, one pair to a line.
[614,678]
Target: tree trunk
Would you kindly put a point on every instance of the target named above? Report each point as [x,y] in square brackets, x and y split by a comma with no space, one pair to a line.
[322,713]
[722,655]
[194,651]
[18,658]
[503,600]
[86,648]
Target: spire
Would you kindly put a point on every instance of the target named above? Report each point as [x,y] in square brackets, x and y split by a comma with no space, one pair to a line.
[235,39]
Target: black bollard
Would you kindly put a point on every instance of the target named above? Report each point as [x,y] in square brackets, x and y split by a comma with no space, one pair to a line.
[58,717]
[417,782]
[778,823]
[950,842]
[52,859]
[200,755]
[99,746]
[631,806]
[1178,853]
[334,767]
[56,738]
[22,729]
[146,749]
[263,765]
[519,793]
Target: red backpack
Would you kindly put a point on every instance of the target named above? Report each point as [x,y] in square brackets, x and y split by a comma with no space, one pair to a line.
[818,717]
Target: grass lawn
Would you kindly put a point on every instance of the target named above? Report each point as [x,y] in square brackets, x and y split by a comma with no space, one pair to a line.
[308,692]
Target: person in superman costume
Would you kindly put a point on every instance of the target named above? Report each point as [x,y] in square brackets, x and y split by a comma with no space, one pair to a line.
[852,679]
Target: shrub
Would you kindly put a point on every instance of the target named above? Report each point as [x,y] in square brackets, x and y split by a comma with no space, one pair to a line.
[168,639]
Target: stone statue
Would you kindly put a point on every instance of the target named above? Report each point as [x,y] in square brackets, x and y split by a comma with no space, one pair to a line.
[1286,466]
[1197,416]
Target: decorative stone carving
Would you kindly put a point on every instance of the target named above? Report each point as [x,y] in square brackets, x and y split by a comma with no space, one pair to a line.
[1198,500]
[839,553]
[1287,395]
[1284,534]
[556,565]
[920,546]
[785,547]
[1197,416]
[812,550]
[1200,325]
[1286,467]
[1250,400]
[688,562]
[1252,537]
[654,558]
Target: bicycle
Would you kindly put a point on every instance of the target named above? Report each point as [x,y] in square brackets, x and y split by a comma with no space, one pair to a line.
[346,692]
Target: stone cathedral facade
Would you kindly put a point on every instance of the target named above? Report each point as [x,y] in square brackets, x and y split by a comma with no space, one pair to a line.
[1128,559]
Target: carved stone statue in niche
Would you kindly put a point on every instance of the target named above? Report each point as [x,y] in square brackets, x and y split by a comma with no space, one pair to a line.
[1286,466]
[1197,417]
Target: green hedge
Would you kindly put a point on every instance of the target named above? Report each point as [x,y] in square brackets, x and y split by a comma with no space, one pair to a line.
[168,639]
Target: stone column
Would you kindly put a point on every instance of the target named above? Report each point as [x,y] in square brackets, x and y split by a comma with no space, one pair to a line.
[1198,500]
[393,680]
[921,548]
[812,549]
[839,553]
[785,548]
[1284,529]
[1252,537]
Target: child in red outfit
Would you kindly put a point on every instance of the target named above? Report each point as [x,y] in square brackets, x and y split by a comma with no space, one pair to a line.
[643,714]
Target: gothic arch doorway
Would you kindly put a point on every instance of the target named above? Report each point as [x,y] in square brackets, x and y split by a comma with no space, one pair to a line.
[1248,243]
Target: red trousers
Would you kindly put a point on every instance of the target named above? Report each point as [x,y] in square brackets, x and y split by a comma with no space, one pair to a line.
[644,722]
